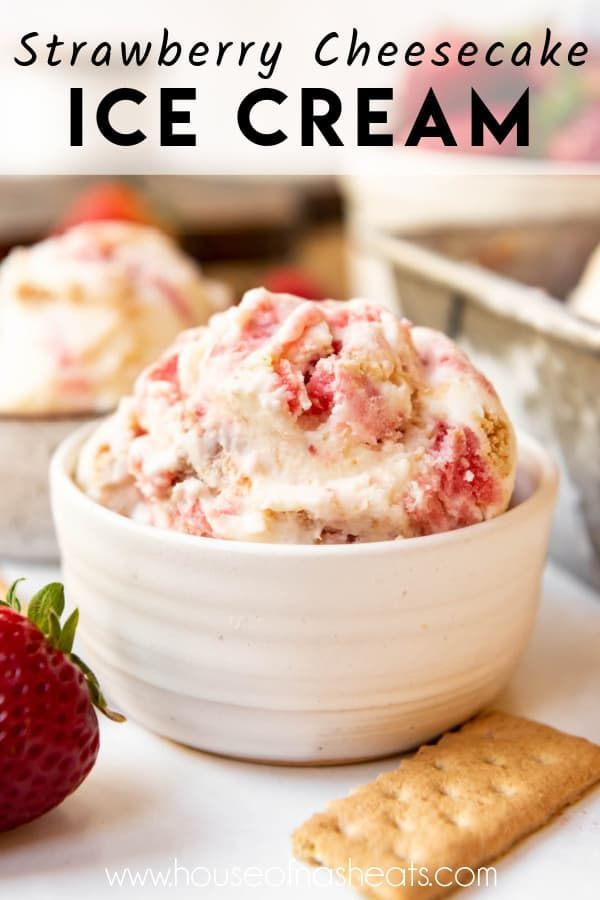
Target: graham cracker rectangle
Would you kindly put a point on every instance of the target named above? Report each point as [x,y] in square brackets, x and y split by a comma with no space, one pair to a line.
[459,803]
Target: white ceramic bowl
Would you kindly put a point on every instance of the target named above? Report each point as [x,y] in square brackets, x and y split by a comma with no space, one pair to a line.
[303,654]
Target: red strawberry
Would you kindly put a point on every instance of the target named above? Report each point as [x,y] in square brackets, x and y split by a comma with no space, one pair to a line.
[48,726]
[291,280]
[107,200]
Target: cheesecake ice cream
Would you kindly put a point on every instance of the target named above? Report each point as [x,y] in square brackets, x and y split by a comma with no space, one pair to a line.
[292,421]
[81,314]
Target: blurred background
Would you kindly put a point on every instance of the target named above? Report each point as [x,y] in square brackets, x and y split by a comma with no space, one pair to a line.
[502,263]
[243,231]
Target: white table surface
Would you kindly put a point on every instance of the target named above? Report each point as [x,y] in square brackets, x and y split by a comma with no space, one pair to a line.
[150,804]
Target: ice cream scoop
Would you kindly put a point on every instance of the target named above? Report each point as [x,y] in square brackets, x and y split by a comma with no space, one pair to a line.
[585,299]
[287,420]
[81,314]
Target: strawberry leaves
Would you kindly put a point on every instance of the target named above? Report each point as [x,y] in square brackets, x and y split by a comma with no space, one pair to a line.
[46,607]
[44,610]
[11,600]
[96,694]
[67,634]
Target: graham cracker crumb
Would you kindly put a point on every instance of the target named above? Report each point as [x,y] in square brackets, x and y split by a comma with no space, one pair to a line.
[33,293]
[500,442]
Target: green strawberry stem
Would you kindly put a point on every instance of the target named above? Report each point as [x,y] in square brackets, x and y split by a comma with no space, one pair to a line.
[45,609]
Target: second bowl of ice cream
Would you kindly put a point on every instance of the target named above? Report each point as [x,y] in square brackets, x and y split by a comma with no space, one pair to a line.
[314,555]
[80,315]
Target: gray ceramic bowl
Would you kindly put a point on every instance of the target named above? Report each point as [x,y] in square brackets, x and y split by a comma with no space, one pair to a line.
[26,445]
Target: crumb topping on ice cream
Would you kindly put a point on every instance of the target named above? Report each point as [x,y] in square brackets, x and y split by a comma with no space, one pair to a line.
[83,313]
[287,420]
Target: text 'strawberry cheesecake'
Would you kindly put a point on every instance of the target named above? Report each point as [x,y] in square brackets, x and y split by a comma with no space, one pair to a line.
[81,314]
[286,420]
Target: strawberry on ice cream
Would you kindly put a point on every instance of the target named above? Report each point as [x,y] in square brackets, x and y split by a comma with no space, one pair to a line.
[287,420]
[82,313]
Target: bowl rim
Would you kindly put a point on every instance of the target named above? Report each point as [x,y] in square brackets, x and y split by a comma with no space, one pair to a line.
[530,452]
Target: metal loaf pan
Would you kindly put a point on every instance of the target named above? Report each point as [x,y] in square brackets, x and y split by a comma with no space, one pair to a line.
[544,361]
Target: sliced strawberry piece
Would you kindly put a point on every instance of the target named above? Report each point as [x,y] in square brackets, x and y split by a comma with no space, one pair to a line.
[463,471]
[320,390]
[166,370]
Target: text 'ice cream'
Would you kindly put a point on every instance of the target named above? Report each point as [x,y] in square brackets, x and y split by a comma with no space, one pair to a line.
[287,420]
[81,314]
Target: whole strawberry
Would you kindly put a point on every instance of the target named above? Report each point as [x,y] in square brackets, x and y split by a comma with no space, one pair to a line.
[48,727]
[107,201]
